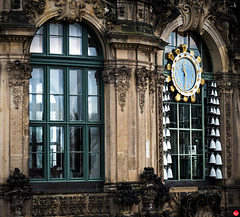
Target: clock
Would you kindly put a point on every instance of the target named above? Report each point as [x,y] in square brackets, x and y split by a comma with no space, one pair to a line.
[185,74]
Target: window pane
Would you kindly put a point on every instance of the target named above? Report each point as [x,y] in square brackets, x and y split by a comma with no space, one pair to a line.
[37,42]
[56,29]
[93,82]
[174,167]
[196,117]
[172,39]
[56,81]
[92,46]
[36,153]
[93,108]
[181,38]
[185,168]
[56,108]
[184,116]
[76,139]
[194,42]
[36,82]
[76,165]
[174,141]
[76,108]
[75,30]
[94,166]
[57,152]
[173,115]
[75,81]
[197,167]
[75,46]
[56,39]
[184,142]
[197,144]
[94,139]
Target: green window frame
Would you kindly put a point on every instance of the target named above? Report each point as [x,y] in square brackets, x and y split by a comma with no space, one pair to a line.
[66,105]
[187,120]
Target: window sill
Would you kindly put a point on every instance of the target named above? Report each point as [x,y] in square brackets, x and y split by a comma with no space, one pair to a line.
[66,187]
[201,184]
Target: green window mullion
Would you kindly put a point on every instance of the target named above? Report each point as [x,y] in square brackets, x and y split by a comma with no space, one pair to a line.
[190,116]
[86,154]
[178,141]
[84,40]
[203,132]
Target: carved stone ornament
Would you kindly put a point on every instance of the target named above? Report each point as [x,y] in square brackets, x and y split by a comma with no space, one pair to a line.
[80,205]
[34,7]
[108,75]
[17,96]
[152,77]
[142,80]
[201,203]
[122,76]
[19,191]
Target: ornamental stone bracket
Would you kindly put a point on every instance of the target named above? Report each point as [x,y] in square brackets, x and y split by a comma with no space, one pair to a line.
[226,91]
[142,81]
[18,192]
[18,72]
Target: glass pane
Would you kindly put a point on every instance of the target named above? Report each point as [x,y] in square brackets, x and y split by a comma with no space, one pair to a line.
[174,167]
[56,81]
[194,43]
[36,82]
[56,29]
[76,165]
[75,81]
[75,46]
[181,38]
[76,139]
[172,39]
[197,142]
[197,167]
[56,45]
[76,108]
[185,167]
[57,152]
[75,30]
[93,108]
[95,139]
[184,142]
[35,107]
[196,117]
[37,44]
[207,64]
[93,82]
[173,115]
[36,153]
[174,141]
[184,116]
[56,108]
[95,166]
[92,47]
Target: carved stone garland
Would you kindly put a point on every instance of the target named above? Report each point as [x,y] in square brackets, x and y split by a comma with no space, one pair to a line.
[18,73]
[152,77]
[226,88]
[142,80]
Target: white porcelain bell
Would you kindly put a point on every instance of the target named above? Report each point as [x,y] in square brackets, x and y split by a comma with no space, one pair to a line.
[164,146]
[167,132]
[215,84]
[214,111]
[212,84]
[169,173]
[217,102]
[164,121]
[217,133]
[168,145]
[167,120]
[218,146]
[212,172]
[212,121]
[164,90]
[163,109]
[214,101]
[216,93]
[212,144]
[164,134]
[212,159]
[217,122]
[212,93]
[211,100]
[165,174]
[169,159]
[168,97]
[218,111]
[218,174]
[218,159]
[212,132]
[168,107]
[211,110]
[164,160]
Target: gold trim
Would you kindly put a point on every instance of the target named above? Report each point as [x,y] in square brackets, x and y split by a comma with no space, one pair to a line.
[169,66]
[193,99]
[202,81]
[198,91]
[171,56]
[178,97]
[177,51]
[184,47]
[172,88]
[192,52]
[185,98]
[169,78]
[199,59]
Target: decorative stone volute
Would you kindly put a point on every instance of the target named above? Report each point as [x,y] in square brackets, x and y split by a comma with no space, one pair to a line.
[19,191]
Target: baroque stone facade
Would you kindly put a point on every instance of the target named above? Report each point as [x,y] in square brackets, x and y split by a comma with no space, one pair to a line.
[133,36]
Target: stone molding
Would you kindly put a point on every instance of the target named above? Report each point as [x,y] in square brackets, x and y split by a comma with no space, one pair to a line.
[142,82]
[18,73]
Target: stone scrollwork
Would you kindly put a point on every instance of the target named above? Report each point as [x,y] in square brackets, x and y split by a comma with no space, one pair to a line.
[34,7]
[142,81]
[18,73]
[108,75]
[122,75]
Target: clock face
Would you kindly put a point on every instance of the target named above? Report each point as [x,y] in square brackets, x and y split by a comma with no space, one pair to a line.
[186,74]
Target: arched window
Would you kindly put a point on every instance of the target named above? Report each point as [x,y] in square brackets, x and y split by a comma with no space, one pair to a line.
[186,124]
[66,110]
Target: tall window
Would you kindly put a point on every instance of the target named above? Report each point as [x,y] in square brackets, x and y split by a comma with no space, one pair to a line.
[66,104]
[184,141]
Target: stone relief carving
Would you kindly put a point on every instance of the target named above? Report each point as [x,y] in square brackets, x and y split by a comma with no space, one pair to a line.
[142,81]
[122,76]
[226,88]
[84,205]
[34,7]
[18,73]
[152,86]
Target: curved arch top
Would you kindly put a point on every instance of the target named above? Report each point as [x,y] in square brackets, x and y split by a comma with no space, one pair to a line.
[213,40]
